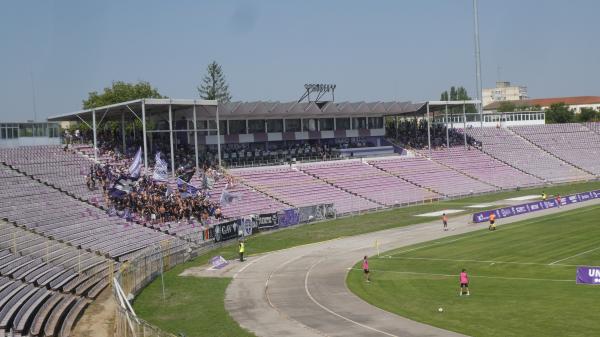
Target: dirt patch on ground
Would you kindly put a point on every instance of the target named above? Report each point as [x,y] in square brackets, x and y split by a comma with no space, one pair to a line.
[229,270]
[98,319]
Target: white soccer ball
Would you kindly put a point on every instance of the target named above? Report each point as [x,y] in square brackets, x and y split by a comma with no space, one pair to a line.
[440,309]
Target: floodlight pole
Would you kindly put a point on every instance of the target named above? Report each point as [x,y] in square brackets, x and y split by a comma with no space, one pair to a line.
[123,129]
[477,62]
[447,132]
[171,139]
[219,136]
[465,124]
[428,130]
[144,137]
[195,136]
[95,137]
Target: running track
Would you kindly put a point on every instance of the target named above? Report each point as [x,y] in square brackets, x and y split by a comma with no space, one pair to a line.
[301,291]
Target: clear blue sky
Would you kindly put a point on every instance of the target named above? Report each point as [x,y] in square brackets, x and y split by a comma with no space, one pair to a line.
[372,50]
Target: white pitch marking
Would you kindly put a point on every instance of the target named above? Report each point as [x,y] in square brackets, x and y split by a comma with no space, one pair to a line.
[480,205]
[333,312]
[440,213]
[473,276]
[248,265]
[570,257]
[525,197]
[480,261]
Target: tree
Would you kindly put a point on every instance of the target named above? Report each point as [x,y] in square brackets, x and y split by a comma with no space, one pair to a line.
[587,115]
[121,92]
[458,94]
[214,85]
[559,113]
[506,106]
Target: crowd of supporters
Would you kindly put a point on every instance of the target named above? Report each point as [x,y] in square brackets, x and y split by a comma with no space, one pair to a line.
[413,134]
[155,201]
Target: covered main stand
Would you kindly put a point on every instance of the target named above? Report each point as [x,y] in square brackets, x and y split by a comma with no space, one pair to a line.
[182,128]
[431,108]
[163,121]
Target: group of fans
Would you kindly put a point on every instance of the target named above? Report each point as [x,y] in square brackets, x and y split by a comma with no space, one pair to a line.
[412,133]
[147,199]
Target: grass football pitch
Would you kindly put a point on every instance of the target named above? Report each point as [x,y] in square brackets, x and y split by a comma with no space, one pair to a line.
[193,305]
[522,279]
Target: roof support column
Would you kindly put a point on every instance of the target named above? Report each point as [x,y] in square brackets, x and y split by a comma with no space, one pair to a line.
[465,124]
[95,135]
[144,136]
[171,139]
[447,132]
[123,129]
[219,135]
[428,130]
[397,126]
[195,137]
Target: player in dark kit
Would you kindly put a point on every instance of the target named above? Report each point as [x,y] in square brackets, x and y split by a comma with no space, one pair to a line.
[445,221]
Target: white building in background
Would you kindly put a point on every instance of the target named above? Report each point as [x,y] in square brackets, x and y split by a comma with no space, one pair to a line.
[576,103]
[503,92]
[29,133]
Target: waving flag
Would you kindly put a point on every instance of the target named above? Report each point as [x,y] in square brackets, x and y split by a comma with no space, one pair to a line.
[207,182]
[160,168]
[136,165]
[187,189]
[187,175]
[228,197]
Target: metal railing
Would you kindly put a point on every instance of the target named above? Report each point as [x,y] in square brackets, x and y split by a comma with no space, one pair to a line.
[132,277]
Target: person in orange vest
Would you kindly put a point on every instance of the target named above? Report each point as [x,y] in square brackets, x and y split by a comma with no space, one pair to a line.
[445,221]
[492,226]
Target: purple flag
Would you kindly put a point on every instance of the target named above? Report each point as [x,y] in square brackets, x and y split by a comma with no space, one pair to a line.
[588,275]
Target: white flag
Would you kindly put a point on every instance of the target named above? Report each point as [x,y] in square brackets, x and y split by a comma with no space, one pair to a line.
[136,164]
[160,168]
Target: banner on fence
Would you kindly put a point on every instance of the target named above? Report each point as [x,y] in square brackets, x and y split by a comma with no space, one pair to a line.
[588,275]
[288,217]
[535,206]
[226,231]
[248,225]
[267,221]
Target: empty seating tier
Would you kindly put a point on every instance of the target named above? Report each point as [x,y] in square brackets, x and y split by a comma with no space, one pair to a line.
[510,148]
[483,167]
[573,143]
[433,176]
[300,189]
[370,182]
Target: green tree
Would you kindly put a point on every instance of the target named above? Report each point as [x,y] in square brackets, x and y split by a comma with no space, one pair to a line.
[559,113]
[214,85]
[119,92]
[458,94]
[506,106]
[587,115]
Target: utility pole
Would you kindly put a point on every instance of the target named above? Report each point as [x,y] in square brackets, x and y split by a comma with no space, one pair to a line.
[477,62]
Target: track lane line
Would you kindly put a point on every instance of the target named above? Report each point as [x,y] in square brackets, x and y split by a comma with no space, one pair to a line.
[333,312]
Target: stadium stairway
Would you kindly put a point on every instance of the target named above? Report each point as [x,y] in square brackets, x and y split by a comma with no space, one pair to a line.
[422,155]
[339,187]
[406,180]
[550,153]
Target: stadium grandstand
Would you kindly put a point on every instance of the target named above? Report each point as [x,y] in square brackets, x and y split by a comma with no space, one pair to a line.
[73,215]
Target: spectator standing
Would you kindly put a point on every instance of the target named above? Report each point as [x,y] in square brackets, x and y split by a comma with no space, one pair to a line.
[242,249]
